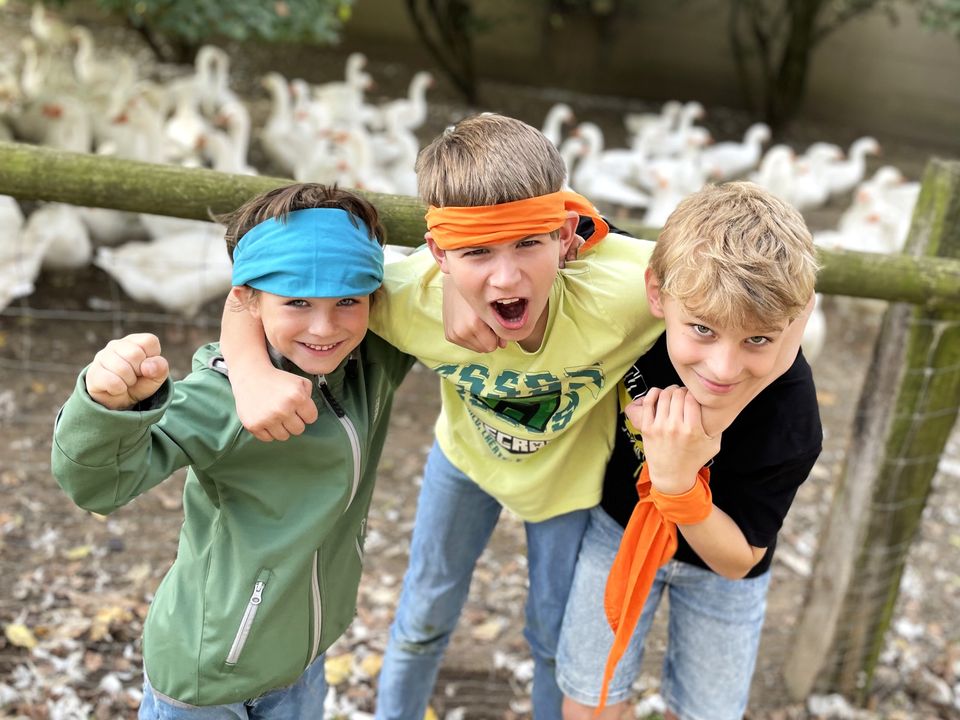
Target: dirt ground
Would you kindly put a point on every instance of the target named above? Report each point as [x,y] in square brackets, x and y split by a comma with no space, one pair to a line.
[75,587]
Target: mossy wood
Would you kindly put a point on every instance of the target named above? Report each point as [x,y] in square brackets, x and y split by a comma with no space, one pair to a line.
[907,410]
[35,173]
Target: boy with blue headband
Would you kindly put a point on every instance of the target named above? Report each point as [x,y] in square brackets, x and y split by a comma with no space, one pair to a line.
[271,549]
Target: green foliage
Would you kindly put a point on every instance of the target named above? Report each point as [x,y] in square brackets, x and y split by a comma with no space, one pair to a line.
[942,15]
[194,21]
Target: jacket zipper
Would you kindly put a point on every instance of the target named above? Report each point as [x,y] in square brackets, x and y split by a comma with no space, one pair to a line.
[351,433]
[317,607]
[246,622]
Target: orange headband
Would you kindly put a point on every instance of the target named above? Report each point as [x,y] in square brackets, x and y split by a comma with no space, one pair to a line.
[457,227]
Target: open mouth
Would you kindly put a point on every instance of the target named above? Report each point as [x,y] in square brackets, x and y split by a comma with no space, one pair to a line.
[511,312]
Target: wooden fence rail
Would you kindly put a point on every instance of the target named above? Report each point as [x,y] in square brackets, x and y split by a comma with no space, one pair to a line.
[29,172]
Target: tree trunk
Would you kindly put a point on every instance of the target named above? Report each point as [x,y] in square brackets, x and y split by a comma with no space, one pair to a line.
[786,89]
[452,21]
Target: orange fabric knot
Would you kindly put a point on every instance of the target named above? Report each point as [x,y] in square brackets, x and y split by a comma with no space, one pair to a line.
[458,227]
[649,541]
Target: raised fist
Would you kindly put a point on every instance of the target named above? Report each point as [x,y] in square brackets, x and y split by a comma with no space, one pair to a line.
[127,371]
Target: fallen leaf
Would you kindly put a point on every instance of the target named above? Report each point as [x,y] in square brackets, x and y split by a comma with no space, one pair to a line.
[20,635]
[106,618]
[487,631]
[337,669]
[78,553]
[371,664]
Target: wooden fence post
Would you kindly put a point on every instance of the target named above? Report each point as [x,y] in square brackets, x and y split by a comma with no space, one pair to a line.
[907,409]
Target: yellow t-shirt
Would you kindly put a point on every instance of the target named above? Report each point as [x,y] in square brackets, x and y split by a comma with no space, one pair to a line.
[533,429]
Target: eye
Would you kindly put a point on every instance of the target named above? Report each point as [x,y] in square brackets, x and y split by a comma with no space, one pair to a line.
[475,252]
[347,302]
[297,302]
[701,330]
[758,340]
[529,242]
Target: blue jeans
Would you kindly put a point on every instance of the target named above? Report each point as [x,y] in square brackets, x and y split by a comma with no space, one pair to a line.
[454,520]
[713,633]
[301,701]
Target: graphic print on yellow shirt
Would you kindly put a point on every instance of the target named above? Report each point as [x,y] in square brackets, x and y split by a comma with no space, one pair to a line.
[534,402]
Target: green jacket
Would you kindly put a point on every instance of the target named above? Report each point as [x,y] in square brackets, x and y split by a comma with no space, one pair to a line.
[271,547]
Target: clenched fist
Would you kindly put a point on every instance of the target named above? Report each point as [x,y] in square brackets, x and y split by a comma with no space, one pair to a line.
[127,371]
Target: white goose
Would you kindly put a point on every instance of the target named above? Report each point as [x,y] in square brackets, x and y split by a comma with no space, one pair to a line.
[60,122]
[558,115]
[228,151]
[776,171]
[810,188]
[676,139]
[344,99]
[185,127]
[844,175]
[212,73]
[601,177]
[180,272]
[411,111]
[815,332]
[639,123]
[726,160]
[282,144]
[60,230]
[19,258]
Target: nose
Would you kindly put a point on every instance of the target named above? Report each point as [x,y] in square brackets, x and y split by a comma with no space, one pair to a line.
[505,272]
[724,363]
[322,323]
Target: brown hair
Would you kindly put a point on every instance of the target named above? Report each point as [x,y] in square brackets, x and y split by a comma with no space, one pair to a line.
[488,159]
[736,254]
[281,201]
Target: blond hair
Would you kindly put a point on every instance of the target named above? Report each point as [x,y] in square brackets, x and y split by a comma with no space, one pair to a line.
[488,159]
[736,254]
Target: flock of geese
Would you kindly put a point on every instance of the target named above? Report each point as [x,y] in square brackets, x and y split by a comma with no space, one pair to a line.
[66,93]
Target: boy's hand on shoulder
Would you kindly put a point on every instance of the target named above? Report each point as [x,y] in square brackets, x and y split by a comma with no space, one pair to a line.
[127,371]
[276,405]
[674,442]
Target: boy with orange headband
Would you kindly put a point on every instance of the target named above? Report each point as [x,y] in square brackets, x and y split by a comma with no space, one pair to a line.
[529,427]
[732,275]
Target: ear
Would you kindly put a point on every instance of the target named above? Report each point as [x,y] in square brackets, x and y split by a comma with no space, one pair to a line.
[243,297]
[568,234]
[653,293]
[438,253]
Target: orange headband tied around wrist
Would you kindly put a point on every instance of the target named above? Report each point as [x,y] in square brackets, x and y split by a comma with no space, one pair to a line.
[457,227]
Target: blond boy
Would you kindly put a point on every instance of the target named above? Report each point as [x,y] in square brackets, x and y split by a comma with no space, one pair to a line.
[732,275]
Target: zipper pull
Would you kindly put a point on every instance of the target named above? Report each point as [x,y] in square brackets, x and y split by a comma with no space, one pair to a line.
[257,596]
[328,396]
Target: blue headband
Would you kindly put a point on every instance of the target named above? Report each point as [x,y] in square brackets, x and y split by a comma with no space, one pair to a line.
[317,252]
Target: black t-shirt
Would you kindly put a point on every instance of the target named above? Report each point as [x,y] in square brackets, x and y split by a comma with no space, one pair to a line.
[765,454]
